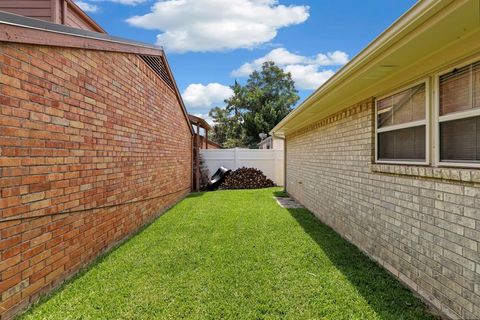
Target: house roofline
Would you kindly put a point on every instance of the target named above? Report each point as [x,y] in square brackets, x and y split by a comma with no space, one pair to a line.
[177,93]
[85,16]
[418,13]
[264,141]
[20,29]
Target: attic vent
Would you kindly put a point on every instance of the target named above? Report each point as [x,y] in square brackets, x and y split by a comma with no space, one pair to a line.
[159,68]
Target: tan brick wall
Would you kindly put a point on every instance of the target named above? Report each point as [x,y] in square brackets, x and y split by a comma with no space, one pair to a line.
[423,229]
[92,146]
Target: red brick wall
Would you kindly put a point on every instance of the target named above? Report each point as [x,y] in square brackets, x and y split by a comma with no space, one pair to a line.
[92,146]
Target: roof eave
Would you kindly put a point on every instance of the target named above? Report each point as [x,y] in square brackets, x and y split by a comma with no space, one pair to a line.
[20,29]
[177,92]
[421,11]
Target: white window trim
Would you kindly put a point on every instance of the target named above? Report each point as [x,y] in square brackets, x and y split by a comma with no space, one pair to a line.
[437,119]
[412,124]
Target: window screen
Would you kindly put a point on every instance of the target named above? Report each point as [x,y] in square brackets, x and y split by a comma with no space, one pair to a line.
[460,102]
[460,140]
[401,126]
[460,89]
[404,144]
[403,107]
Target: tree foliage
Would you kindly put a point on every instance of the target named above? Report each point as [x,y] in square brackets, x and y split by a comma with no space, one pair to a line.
[256,107]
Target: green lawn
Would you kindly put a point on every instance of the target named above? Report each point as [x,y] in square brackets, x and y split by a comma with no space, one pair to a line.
[233,255]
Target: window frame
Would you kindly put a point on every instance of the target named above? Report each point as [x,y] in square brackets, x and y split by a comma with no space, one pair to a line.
[437,119]
[426,122]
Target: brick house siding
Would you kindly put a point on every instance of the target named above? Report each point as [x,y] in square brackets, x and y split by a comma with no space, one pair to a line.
[93,145]
[64,12]
[420,223]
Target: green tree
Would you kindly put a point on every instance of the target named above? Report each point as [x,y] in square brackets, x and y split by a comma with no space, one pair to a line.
[256,107]
[227,130]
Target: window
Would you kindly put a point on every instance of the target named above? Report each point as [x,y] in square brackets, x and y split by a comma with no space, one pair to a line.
[459,115]
[401,122]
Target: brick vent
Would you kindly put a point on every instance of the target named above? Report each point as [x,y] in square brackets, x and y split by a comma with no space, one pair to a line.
[160,69]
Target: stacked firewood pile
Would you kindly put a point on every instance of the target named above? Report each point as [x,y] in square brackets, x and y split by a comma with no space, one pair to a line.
[246,178]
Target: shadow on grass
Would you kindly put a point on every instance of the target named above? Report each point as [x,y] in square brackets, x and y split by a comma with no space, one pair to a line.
[386,295]
[196,194]
[280,194]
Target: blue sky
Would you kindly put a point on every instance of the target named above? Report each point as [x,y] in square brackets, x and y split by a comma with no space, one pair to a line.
[210,43]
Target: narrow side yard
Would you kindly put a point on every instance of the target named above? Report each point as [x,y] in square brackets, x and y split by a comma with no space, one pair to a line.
[233,255]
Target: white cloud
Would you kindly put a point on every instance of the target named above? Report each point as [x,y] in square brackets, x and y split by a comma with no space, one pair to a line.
[218,25]
[336,58]
[197,95]
[308,76]
[87,7]
[128,2]
[306,71]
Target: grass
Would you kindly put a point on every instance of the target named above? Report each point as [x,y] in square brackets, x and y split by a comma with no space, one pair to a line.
[233,255]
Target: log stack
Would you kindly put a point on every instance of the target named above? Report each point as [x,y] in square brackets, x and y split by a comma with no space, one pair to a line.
[246,178]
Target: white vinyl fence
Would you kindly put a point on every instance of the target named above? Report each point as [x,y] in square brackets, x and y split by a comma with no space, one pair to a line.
[270,161]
